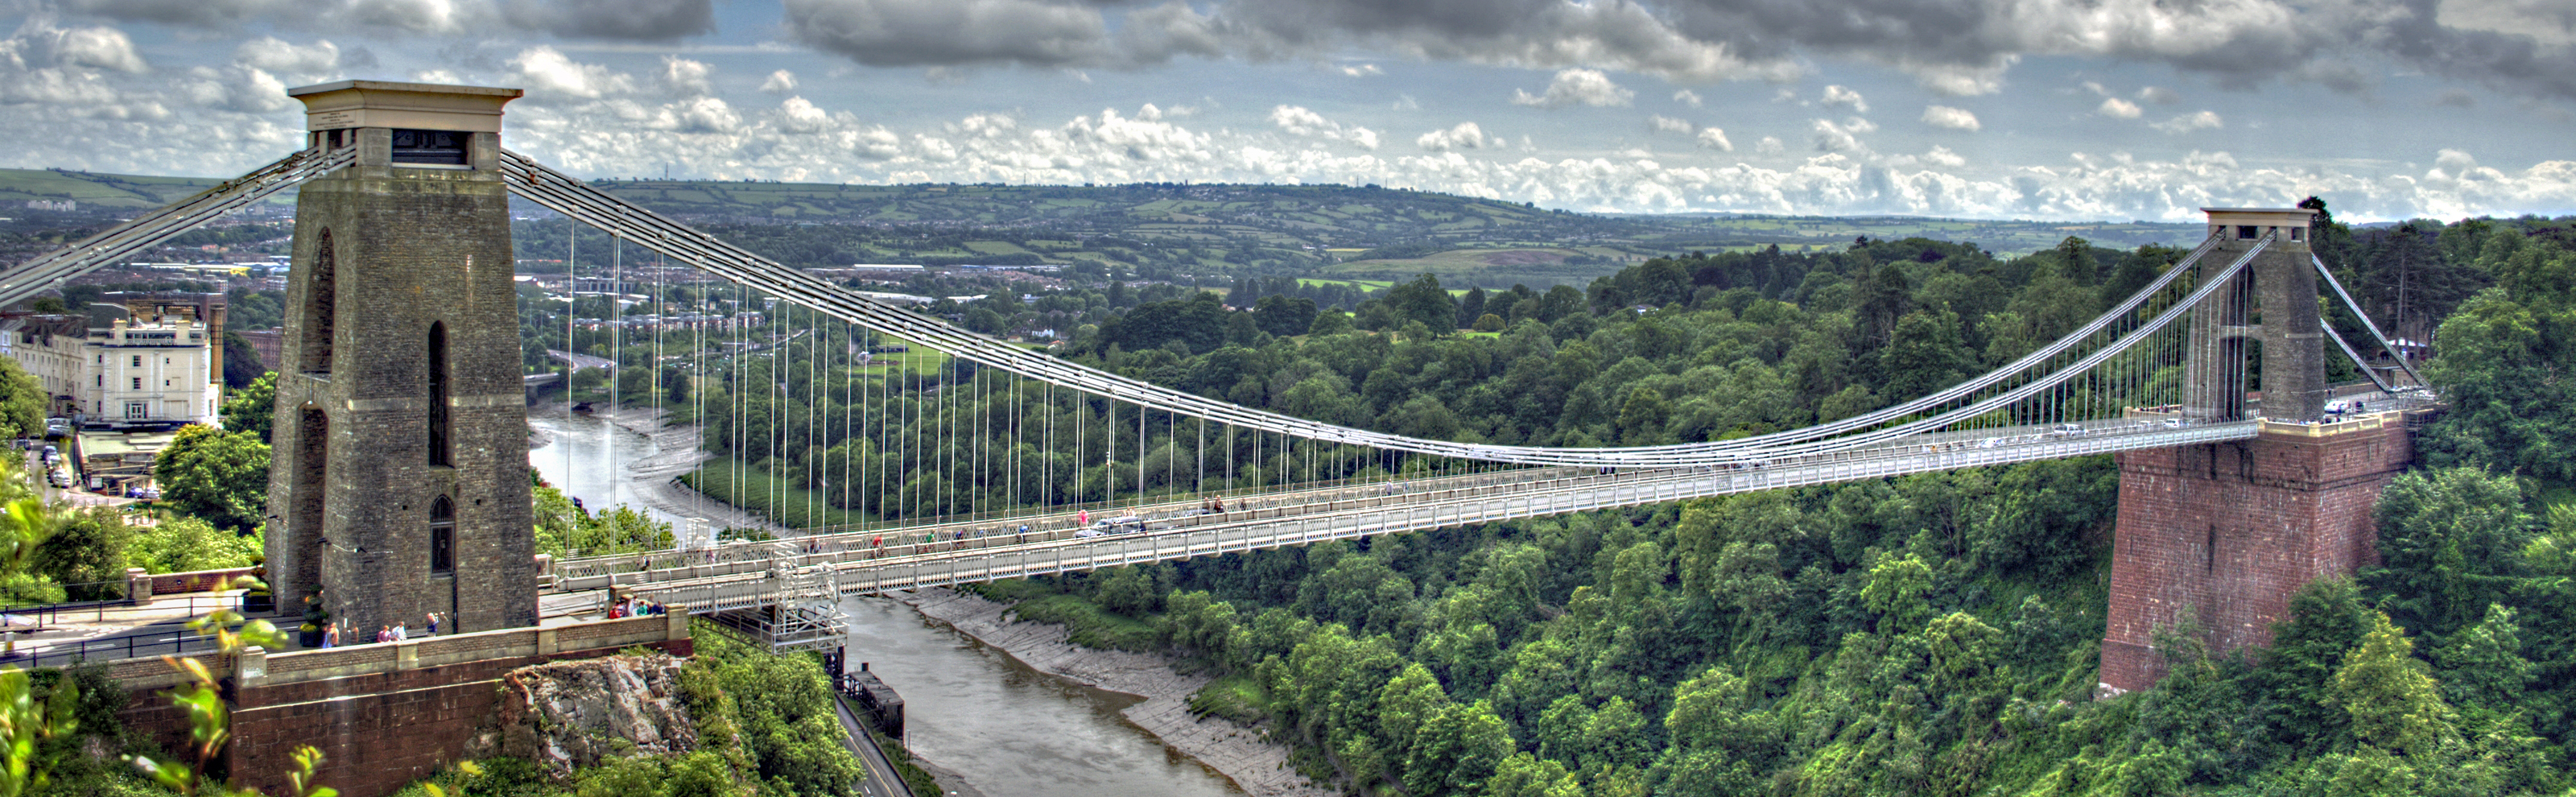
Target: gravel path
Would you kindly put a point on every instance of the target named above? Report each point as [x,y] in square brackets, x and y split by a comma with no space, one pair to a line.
[1259,767]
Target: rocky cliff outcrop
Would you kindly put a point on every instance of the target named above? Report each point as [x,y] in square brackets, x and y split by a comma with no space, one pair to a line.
[571,714]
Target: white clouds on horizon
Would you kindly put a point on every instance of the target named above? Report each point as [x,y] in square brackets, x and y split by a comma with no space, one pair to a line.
[593,119]
[1943,116]
[1576,87]
[2204,120]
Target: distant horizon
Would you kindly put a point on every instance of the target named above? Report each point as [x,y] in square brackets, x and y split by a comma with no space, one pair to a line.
[2340,215]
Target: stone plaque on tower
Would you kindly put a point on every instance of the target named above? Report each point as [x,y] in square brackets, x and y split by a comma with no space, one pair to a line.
[399,484]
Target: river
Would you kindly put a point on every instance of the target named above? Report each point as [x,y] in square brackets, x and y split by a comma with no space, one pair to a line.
[1012,731]
[586,457]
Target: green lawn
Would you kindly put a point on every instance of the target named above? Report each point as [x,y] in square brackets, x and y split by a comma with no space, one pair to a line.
[760,494]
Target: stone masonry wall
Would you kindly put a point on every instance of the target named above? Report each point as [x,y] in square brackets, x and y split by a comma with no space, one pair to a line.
[2225,533]
[409,248]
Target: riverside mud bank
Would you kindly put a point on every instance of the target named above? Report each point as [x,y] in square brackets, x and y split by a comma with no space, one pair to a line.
[1258,767]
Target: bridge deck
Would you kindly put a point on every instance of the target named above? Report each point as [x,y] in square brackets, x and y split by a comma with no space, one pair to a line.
[758,575]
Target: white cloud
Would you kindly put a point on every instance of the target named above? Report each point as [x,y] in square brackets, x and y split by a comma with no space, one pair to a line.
[1952,118]
[318,60]
[1962,80]
[796,115]
[1830,136]
[2117,108]
[1713,138]
[1942,156]
[779,82]
[545,70]
[2159,96]
[697,115]
[1466,135]
[1576,87]
[1840,97]
[1666,124]
[2204,120]
[686,77]
[1299,121]
[1687,97]
[1362,70]
[1770,145]
[39,44]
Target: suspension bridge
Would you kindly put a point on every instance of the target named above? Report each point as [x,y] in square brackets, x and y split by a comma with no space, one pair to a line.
[2168,366]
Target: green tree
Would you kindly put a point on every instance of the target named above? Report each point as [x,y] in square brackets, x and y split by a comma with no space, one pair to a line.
[1423,300]
[2482,665]
[2450,543]
[1457,750]
[179,545]
[1330,321]
[241,362]
[22,402]
[2394,703]
[253,408]
[1925,354]
[87,554]
[217,475]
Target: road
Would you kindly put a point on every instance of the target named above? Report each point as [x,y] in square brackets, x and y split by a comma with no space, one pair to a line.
[581,361]
[883,781]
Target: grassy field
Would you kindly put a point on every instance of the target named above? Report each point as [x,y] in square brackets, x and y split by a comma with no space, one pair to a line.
[1495,267]
[759,494]
[104,190]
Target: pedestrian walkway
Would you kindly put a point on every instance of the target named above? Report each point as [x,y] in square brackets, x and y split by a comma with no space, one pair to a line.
[107,630]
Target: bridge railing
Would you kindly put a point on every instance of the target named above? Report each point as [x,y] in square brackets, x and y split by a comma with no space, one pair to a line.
[257,667]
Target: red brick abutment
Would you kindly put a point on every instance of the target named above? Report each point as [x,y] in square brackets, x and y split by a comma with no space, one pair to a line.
[2219,536]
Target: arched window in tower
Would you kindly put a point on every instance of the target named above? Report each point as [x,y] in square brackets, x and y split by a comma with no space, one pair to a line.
[320,298]
[442,536]
[438,437]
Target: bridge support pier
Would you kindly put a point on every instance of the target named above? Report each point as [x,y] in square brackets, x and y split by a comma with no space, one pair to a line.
[2223,534]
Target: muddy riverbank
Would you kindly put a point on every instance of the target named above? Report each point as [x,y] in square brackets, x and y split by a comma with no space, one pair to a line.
[1258,767]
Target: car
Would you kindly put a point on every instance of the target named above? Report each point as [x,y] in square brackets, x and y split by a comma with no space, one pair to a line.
[2067,430]
[2173,423]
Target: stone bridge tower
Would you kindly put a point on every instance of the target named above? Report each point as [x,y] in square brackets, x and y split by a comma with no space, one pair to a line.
[2273,304]
[399,484]
[2222,534]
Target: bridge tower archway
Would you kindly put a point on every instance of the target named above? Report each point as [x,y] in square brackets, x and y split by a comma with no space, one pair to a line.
[407,393]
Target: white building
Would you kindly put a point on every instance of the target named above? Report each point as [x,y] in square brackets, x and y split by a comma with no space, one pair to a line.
[154,373]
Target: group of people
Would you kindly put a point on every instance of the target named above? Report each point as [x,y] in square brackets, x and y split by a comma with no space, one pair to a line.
[396,632]
[635,607]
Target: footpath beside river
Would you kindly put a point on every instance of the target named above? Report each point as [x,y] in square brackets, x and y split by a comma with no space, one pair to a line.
[1258,767]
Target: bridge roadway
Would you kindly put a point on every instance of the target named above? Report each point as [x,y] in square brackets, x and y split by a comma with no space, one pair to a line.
[744,575]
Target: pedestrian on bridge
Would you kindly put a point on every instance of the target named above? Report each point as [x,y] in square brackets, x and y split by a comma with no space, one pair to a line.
[1082,518]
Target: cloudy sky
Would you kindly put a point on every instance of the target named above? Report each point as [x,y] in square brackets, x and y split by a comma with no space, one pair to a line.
[2044,109]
